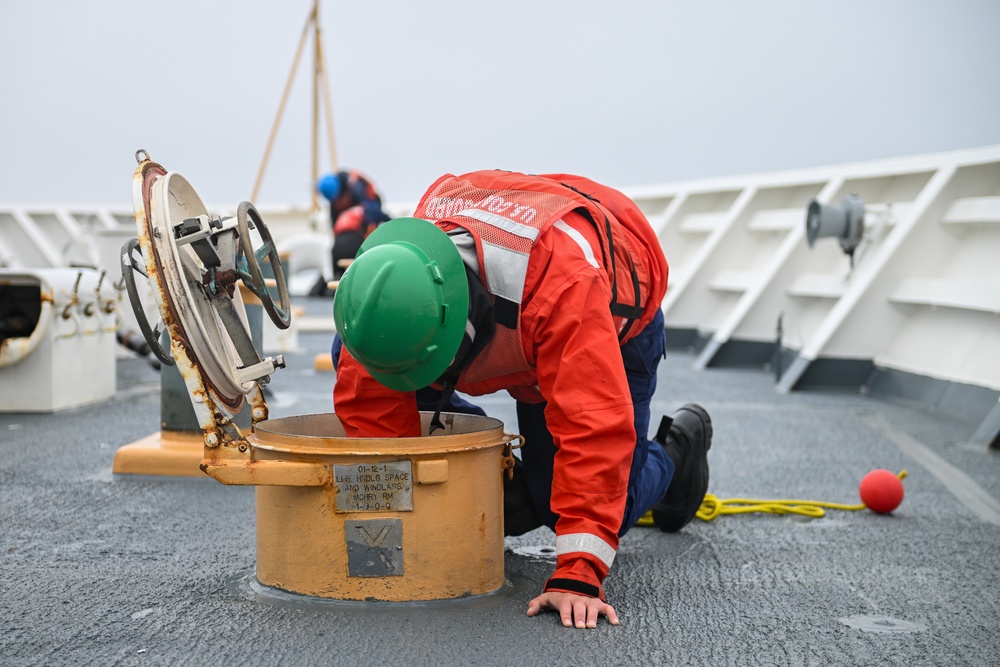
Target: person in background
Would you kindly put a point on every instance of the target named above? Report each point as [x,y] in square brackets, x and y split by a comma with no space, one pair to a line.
[355,210]
[548,287]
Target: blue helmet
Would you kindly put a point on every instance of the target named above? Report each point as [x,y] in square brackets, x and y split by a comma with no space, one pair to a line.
[329,186]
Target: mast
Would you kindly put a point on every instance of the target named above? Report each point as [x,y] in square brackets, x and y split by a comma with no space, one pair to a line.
[320,99]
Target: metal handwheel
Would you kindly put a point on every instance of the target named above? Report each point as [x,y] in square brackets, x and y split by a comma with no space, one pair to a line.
[139,308]
[248,265]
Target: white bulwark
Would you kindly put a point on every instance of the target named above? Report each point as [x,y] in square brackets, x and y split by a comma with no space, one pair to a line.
[914,314]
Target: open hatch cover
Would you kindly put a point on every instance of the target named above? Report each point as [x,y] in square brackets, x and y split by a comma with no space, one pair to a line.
[190,262]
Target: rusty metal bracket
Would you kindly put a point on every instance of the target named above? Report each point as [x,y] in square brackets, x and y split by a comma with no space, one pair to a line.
[507,459]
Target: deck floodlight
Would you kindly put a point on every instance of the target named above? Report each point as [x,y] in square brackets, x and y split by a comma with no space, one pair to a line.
[845,222]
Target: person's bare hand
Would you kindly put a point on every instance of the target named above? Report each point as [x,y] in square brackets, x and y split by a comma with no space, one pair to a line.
[573,609]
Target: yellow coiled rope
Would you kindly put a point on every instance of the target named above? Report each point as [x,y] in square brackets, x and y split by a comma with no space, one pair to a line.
[712,506]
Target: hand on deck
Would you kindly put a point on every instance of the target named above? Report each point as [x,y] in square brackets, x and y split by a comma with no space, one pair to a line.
[573,609]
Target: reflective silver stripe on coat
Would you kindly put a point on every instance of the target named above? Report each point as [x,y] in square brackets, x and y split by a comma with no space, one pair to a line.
[506,271]
[500,222]
[588,252]
[585,543]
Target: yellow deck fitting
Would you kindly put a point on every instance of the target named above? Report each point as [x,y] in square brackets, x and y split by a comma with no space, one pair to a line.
[170,453]
[323,362]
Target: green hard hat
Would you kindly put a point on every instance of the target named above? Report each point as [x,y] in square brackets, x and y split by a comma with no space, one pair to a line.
[402,305]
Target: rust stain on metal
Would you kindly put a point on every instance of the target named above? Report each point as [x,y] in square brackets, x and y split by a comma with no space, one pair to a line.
[13,348]
[226,279]
[200,392]
[258,405]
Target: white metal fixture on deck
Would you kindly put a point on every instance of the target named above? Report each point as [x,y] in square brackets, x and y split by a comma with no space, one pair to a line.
[57,338]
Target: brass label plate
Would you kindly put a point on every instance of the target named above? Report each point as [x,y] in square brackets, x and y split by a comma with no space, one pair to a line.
[386,486]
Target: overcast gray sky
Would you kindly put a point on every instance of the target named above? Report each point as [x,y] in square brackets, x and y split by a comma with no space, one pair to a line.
[628,92]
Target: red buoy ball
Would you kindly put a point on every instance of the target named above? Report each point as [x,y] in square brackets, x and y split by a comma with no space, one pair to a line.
[881,491]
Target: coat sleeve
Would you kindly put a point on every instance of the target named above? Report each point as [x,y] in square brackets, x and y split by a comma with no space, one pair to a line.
[368,409]
[589,413]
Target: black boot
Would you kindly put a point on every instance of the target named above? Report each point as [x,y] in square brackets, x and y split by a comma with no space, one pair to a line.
[687,438]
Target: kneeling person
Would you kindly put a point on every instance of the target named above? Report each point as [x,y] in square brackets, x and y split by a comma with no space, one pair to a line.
[548,287]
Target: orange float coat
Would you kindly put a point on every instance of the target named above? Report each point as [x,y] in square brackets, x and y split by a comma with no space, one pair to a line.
[563,346]
[351,220]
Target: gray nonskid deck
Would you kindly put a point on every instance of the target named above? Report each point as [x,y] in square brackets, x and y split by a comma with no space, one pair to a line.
[104,569]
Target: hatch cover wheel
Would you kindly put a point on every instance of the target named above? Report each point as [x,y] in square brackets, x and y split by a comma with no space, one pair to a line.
[133,261]
[249,269]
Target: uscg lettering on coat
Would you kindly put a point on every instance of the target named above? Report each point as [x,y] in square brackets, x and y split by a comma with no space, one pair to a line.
[445,207]
[374,487]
